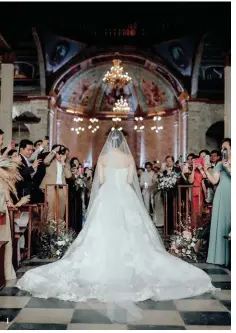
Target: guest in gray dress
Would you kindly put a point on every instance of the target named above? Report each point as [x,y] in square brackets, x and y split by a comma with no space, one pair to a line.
[218,252]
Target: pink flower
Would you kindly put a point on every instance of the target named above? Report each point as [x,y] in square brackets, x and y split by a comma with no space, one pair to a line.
[187,234]
[173,247]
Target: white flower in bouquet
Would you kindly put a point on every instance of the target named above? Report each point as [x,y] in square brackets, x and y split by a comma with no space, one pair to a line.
[192,244]
[178,240]
[189,247]
[184,250]
[188,252]
[67,240]
[194,239]
[176,251]
[58,252]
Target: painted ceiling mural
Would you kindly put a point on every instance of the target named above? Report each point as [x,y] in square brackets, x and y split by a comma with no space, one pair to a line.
[86,91]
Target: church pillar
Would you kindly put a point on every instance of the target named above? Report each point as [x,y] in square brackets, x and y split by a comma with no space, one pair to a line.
[58,131]
[176,140]
[227,106]
[6,104]
[184,129]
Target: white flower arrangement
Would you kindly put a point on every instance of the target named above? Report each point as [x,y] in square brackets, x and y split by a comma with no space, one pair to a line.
[167,181]
[57,245]
[183,242]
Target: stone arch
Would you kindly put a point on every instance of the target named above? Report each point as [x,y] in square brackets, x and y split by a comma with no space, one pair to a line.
[96,66]
[214,135]
[22,123]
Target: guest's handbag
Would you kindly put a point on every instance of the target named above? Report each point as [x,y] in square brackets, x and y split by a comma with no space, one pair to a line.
[2,218]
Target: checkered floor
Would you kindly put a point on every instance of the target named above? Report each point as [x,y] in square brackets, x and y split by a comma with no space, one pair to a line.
[20,311]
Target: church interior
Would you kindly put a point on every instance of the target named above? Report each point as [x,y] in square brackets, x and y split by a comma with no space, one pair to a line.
[160,73]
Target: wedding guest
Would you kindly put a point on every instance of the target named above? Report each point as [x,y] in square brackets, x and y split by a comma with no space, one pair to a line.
[195,178]
[157,200]
[140,171]
[170,168]
[218,252]
[75,197]
[215,157]
[9,174]
[57,171]
[203,153]
[27,170]
[146,183]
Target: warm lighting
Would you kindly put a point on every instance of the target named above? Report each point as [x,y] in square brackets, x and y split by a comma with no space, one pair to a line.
[78,130]
[121,106]
[139,127]
[116,120]
[157,127]
[115,76]
[119,128]
[94,126]
[78,119]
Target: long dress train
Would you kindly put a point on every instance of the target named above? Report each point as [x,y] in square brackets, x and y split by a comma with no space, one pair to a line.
[118,258]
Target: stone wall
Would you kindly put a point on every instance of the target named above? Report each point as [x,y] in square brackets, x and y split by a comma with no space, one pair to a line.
[200,117]
[38,108]
[145,146]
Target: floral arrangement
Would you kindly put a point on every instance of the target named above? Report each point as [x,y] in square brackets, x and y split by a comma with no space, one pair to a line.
[183,242]
[80,181]
[51,245]
[167,181]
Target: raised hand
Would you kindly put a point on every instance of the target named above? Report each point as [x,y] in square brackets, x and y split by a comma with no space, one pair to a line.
[36,163]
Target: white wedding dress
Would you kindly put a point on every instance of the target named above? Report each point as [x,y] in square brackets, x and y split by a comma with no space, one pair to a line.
[118,258]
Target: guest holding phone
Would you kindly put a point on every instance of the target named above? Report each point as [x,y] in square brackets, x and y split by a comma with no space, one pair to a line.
[218,252]
[195,178]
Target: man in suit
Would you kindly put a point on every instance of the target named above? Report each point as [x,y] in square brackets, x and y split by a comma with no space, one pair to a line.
[169,167]
[57,171]
[27,170]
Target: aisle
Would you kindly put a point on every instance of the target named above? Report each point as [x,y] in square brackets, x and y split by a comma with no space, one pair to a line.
[203,312]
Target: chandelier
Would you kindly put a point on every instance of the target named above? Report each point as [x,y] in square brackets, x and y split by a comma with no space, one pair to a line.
[79,129]
[139,127]
[121,106]
[115,76]
[157,128]
[94,125]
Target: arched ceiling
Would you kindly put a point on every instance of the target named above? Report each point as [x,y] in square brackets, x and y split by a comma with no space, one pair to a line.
[152,90]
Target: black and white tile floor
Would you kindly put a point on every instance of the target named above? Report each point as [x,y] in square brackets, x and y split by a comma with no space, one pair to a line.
[20,311]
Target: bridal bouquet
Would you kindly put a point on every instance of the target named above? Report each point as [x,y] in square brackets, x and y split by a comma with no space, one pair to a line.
[167,181]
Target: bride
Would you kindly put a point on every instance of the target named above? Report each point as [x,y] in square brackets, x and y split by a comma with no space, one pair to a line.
[118,259]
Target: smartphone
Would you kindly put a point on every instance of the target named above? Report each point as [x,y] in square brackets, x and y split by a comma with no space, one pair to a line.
[13,145]
[199,160]
[163,166]
[207,159]
[225,154]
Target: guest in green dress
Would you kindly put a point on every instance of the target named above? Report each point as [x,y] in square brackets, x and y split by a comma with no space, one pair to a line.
[218,252]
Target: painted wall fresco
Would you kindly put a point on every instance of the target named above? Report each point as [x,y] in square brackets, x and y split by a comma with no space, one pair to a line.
[86,90]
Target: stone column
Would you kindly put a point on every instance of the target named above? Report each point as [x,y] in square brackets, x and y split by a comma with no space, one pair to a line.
[6,105]
[184,129]
[51,128]
[58,134]
[176,140]
[227,106]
